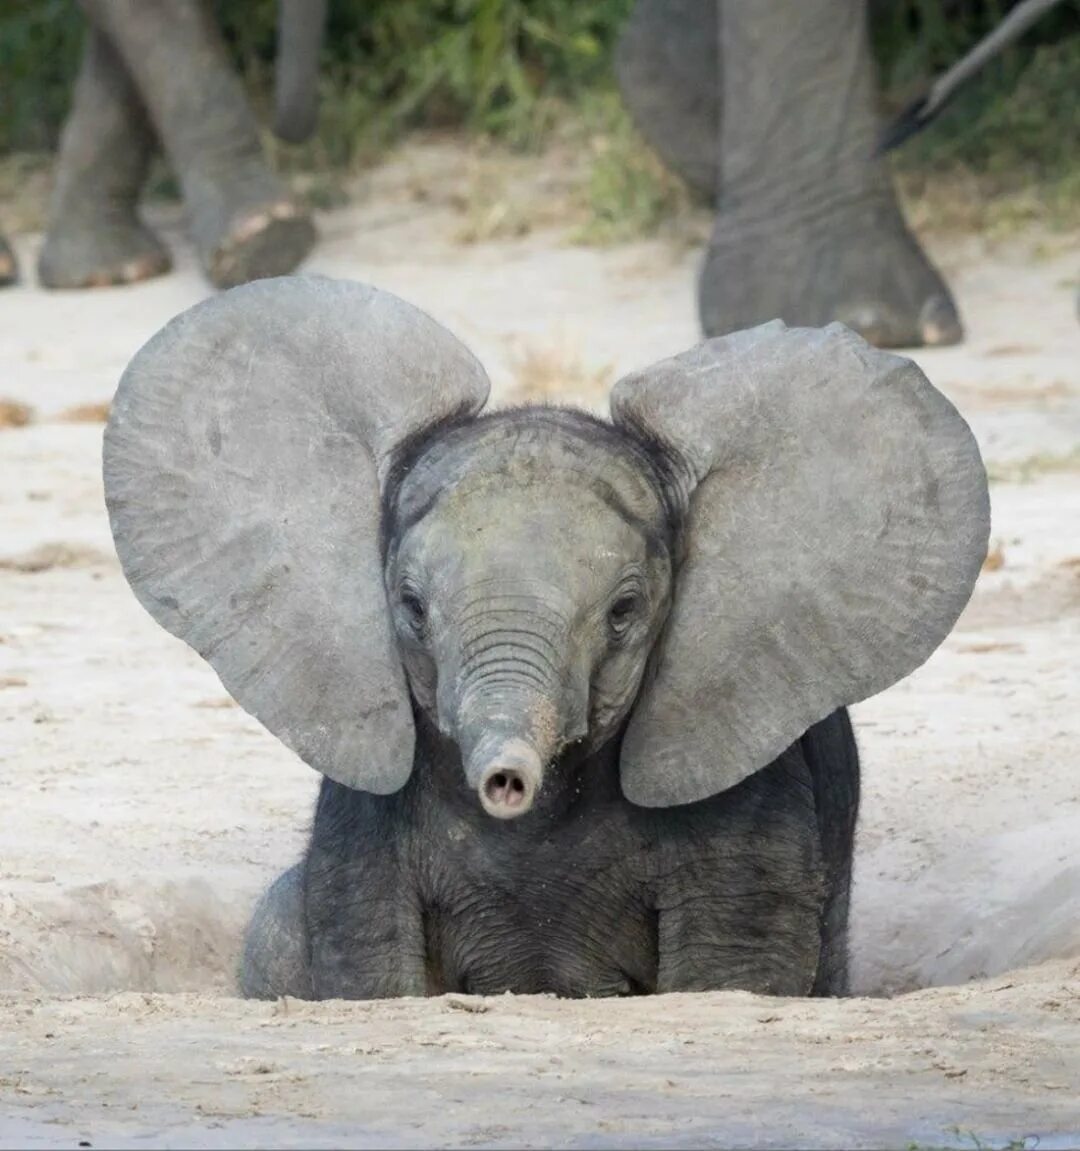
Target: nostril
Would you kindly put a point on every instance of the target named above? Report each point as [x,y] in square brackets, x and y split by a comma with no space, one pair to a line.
[506,792]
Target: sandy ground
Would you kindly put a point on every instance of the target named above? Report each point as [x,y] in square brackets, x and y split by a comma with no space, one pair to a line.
[141,812]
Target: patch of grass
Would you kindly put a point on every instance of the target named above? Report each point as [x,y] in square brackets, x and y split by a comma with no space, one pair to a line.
[628,194]
[48,556]
[962,200]
[502,69]
[25,183]
[14,414]
[1006,153]
[555,372]
[84,414]
[490,202]
[1029,469]
[976,1143]
[995,557]
[40,41]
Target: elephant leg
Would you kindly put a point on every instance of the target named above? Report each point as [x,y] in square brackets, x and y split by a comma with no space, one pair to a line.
[94,236]
[244,222]
[668,67]
[740,892]
[9,271]
[808,227]
[832,756]
[275,955]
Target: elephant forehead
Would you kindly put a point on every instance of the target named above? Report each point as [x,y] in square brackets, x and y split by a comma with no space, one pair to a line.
[555,530]
[541,465]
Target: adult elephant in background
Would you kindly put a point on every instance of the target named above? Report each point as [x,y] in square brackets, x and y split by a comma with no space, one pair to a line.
[159,73]
[769,107]
[9,271]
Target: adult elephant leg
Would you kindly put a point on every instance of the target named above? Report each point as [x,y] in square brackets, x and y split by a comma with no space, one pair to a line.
[9,271]
[244,222]
[808,227]
[668,67]
[94,236]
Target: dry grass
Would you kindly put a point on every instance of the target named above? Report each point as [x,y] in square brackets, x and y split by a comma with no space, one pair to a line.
[990,646]
[979,396]
[489,207]
[556,373]
[962,201]
[84,414]
[1042,464]
[25,187]
[14,414]
[501,196]
[995,557]
[626,192]
[47,557]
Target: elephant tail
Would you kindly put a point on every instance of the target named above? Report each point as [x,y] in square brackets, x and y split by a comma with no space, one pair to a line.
[296,95]
[920,112]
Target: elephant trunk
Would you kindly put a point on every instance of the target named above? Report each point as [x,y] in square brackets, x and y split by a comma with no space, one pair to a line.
[506,770]
[300,34]
[512,708]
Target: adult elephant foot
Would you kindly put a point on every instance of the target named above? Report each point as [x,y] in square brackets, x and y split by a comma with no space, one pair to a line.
[243,221]
[267,240]
[248,227]
[9,271]
[95,237]
[808,225]
[83,252]
[770,108]
[861,267]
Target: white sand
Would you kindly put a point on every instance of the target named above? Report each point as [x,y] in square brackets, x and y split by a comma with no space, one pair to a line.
[141,813]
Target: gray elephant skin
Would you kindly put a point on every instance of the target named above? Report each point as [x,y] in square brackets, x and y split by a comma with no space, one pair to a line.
[9,271]
[769,107]
[576,687]
[157,73]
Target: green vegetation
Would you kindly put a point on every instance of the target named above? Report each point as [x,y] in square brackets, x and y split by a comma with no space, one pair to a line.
[970,1139]
[627,192]
[524,72]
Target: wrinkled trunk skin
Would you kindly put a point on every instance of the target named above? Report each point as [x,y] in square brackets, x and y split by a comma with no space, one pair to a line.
[95,237]
[296,85]
[507,694]
[243,222]
[808,228]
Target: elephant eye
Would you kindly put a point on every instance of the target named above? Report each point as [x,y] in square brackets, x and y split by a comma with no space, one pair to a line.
[413,607]
[623,612]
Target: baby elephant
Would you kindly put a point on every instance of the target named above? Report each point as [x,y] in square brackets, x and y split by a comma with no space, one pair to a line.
[576,687]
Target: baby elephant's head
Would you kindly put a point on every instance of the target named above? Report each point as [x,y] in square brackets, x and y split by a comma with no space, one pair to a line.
[529,568]
[774,524]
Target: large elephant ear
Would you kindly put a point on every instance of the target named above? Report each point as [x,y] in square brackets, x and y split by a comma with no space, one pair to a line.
[837,523]
[243,460]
